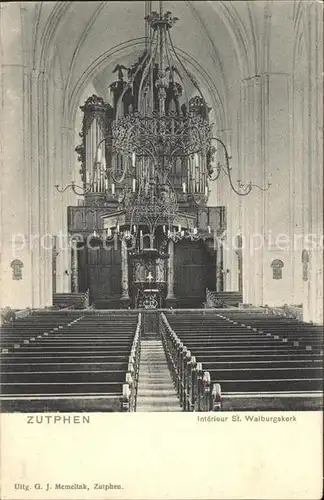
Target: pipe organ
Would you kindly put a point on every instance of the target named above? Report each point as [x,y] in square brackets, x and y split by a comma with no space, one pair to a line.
[109,267]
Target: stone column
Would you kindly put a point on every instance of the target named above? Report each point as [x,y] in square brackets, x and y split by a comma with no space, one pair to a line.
[254,97]
[159,270]
[170,299]
[239,270]
[74,266]
[267,155]
[227,198]
[219,268]
[67,199]
[125,300]
[15,188]
[315,160]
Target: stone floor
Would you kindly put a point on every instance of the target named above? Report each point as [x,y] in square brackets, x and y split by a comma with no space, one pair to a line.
[155,388]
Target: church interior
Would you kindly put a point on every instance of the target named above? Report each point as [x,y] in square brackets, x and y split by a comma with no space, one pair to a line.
[165,248]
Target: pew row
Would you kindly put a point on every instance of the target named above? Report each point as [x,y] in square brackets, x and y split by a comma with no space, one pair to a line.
[89,364]
[26,329]
[299,333]
[220,366]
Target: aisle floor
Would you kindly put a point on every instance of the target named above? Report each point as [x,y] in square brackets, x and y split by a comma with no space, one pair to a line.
[155,388]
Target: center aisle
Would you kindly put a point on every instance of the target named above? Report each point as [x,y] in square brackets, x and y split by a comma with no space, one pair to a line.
[155,388]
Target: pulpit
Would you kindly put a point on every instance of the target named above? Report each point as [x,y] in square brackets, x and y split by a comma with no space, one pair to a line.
[149,294]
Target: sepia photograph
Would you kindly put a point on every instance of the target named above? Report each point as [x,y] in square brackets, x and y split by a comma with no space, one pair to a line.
[161,210]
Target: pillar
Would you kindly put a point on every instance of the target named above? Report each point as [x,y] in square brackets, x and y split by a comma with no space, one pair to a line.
[219,268]
[267,234]
[125,300]
[170,298]
[226,197]
[65,199]
[74,266]
[15,196]
[314,160]
[160,272]
[253,139]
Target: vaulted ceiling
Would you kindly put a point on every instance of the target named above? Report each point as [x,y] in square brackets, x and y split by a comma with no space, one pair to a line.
[85,40]
[221,42]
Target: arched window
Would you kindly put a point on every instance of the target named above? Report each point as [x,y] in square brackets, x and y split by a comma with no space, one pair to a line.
[305,262]
[277,266]
[16,266]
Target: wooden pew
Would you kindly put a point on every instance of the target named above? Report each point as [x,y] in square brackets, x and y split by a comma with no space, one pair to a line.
[80,367]
[221,365]
[304,333]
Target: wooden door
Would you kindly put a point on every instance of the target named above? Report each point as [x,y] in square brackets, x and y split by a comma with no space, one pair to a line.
[194,270]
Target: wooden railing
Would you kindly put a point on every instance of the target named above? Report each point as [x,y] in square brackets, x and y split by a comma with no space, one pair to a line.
[191,382]
[212,300]
[72,300]
[87,298]
[294,311]
[8,315]
[222,299]
[130,387]
[288,311]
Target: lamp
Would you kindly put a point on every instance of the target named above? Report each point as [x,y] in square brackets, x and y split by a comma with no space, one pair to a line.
[155,147]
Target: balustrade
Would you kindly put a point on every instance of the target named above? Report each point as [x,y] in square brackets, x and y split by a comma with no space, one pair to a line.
[129,397]
[192,384]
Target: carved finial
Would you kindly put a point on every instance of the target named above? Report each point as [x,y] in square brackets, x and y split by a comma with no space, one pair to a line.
[94,103]
[120,69]
[155,19]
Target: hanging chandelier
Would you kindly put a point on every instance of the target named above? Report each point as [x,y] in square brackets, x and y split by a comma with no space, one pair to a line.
[152,151]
